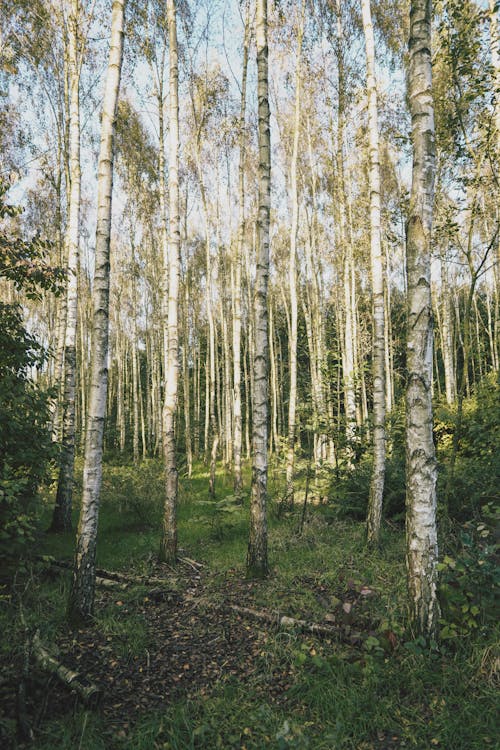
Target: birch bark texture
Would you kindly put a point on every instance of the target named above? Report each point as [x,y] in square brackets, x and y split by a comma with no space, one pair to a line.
[292,267]
[257,561]
[81,598]
[61,519]
[421,473]
[377,274]
[236,269]
[168,548]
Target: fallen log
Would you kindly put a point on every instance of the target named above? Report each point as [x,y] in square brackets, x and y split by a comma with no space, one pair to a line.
[86,690]
[110,583]
[193,563]
[110,577]
[291,623]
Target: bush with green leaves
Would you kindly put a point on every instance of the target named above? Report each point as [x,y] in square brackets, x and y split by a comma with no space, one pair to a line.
[476,475]
[138,490]
[26,448]
[470,578]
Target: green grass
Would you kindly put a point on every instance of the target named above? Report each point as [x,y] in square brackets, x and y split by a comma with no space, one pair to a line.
[330,695]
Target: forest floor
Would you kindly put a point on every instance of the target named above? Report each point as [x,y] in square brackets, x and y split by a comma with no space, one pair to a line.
[179,668]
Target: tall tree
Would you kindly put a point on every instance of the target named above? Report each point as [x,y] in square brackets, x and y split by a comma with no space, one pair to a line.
[377,274]
[81,598]
[61,519]
[236,268]
[292,265]
[257,562]
[168,548]
[421,473]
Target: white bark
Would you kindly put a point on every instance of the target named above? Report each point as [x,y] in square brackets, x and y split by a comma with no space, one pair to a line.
[81,601]
[257,563]
[292,268]
[377,274]
[236,271]
[64,499]
[447,335]
[168,549]
[422,548]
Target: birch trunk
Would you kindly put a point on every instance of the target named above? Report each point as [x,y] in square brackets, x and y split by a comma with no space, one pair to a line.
[447,335]
[168,546]
[81,598]
[257,562]
[422,548]
[377,273]
[186,380]
[292,270]
[163,214]
[236,272]
[61,519]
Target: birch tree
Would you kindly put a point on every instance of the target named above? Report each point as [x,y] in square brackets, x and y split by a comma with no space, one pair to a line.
[257,562]
[236,270]
[61,519]
[292,267]
[377,275]
[168,548]
[81,598]
[421,474]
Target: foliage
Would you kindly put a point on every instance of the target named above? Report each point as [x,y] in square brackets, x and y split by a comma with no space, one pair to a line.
[221,513]
[477,471]
[300,692]
[25,441]
[24,262]
[350,494]
[470,579]
[137,490]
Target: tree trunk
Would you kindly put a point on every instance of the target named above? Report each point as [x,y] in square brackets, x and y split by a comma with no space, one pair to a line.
[257,562]
[81,598]
[377,273]
[168,546]
[186,380]
[447,334]
[236,272]
[422,548]
[292,269]
[61,519]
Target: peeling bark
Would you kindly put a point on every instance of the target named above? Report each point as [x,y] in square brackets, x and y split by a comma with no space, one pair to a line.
[421,472]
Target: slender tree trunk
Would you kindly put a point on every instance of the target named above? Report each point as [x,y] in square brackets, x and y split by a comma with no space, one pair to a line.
[274,383]
[257,562]
[389,346]
[422,547]
[187,381]
[163,213]
[168,547]
[377,273]
[495,62]
[81,598]
[236,272]
[292,269]
[447,335]
[61,519]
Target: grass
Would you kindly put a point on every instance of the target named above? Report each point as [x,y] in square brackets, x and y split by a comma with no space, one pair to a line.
[329,695]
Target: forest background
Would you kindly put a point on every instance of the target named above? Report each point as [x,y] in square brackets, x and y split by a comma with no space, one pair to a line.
[325,295]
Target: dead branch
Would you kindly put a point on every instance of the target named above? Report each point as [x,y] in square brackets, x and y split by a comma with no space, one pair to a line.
[109,578]
[291,623]
[87,691]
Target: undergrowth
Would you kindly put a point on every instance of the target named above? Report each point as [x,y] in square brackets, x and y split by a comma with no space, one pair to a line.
[387,690]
